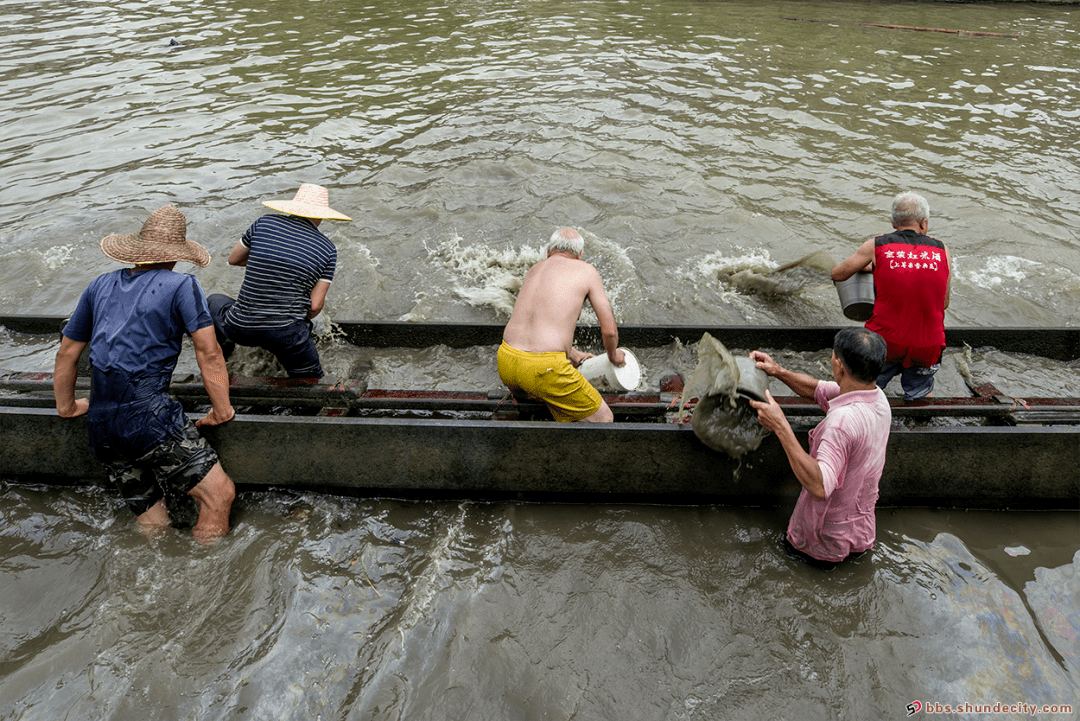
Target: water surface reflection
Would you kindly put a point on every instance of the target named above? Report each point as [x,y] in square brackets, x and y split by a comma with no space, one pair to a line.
[324,606]
[691,142]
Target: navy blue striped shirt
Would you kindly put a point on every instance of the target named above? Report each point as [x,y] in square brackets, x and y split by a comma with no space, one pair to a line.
[287,257]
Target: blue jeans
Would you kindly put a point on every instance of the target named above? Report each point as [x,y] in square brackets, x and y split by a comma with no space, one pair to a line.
[917,382]
[292,345]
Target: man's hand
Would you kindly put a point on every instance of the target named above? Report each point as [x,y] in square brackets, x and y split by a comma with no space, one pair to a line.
[576,356]
[78,408]
[802,384]
[216,418]
[770,414]
[618,357]
[765,362]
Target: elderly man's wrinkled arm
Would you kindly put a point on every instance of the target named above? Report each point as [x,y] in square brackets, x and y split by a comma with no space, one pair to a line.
[609,330]
[318,298]
[239,254]
[65,371]
[861,260]
[215,377]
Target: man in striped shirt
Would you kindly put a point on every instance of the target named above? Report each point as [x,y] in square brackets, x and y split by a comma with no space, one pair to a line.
[290,265]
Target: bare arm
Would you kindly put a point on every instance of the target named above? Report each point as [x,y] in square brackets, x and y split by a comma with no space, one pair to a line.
[863,259]
[802,384]
[65,371]
[318,298]
[239,254]
[805,466]
[608,329]
[215,377]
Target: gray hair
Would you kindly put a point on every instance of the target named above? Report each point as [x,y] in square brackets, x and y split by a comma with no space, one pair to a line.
[909,209]
[566,239]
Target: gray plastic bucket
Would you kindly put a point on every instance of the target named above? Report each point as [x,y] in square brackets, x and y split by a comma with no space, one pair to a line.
[857,295]
[753,382]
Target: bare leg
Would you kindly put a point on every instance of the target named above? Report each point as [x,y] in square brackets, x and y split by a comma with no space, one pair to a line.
[152,523]
[603,414]
[215,493]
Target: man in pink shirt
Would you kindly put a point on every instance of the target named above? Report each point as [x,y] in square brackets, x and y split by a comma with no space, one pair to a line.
[834,516]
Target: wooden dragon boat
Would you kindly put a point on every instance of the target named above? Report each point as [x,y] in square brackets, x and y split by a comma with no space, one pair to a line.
[986,450]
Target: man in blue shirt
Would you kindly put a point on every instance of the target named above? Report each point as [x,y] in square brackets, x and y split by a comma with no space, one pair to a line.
[134,320]
[290,265]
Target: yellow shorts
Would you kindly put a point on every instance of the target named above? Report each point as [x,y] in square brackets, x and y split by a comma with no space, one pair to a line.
[550,378]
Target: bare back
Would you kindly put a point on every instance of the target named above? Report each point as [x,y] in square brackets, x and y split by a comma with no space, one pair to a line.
[550,302]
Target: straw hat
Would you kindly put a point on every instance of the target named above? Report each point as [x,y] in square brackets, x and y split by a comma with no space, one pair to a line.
[311,201]
[163,239]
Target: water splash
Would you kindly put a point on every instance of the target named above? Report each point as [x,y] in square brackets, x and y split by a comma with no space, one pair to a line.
[755,272]
[487,276]
[482,275]
[791,279]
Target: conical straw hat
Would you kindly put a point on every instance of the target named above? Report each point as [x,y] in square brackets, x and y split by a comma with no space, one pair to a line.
[163,239]
[311,201]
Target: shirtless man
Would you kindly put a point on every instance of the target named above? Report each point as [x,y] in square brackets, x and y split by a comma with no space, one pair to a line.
[537,355]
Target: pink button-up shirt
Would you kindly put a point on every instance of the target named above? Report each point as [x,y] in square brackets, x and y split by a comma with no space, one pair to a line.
[849,445]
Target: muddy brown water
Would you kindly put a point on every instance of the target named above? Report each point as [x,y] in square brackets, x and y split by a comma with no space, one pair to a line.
[699,147]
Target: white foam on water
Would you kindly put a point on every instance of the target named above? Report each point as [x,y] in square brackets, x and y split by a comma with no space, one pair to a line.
[999,269]
[740,278]
[622,282]
[57,256]
[1018,291]
[709,275]
[486,275]
[721,264]
[732,267]
[482,274]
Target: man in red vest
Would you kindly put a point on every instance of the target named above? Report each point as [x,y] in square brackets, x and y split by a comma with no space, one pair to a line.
[912,282]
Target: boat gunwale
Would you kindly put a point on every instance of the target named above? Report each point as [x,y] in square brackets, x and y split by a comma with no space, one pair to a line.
[1057,342]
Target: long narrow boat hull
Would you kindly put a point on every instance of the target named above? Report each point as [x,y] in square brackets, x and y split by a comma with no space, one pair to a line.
[969,467]
[428,444]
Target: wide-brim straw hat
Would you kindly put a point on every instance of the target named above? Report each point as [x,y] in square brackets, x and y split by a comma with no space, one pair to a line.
[163,239]
[311,201]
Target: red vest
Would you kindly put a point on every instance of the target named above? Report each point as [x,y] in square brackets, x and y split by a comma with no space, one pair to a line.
[911,274]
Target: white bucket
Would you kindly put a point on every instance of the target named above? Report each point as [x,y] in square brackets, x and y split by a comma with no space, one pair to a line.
[622,378]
